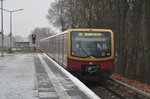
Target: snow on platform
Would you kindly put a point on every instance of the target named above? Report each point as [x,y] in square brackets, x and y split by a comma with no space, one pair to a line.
[36,76]
[17,75]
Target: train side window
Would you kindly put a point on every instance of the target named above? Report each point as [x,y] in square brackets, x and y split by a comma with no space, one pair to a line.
[65,49]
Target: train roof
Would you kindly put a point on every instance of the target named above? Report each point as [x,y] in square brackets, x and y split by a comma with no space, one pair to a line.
[79,29]
[54,35]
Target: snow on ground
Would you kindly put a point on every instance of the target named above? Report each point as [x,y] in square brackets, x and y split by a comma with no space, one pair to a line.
[17,77]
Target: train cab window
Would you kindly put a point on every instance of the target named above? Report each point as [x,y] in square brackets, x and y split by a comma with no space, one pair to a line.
[95,44]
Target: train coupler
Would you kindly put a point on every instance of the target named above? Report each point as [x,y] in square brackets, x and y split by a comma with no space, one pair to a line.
[90,70]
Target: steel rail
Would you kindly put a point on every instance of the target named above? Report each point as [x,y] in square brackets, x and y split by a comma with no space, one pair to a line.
[114,92]
[145,94]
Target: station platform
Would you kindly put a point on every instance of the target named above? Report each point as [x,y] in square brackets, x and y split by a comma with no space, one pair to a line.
[36,76]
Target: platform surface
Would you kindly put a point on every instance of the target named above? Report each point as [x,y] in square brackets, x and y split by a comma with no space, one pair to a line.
[36,76]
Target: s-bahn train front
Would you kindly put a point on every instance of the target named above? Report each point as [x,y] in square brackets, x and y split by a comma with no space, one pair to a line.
[91,53]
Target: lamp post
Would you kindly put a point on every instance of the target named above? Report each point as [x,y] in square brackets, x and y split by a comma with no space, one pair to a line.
[2,28]
[10,35]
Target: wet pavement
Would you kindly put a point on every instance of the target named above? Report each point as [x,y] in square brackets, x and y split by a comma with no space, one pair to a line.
[35,76]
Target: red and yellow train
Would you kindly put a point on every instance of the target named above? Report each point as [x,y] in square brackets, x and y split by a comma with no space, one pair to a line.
[87,53]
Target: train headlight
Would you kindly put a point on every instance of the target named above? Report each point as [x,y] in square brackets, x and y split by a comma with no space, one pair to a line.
[72,53]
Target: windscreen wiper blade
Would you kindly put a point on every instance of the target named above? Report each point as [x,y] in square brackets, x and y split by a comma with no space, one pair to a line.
[84,51]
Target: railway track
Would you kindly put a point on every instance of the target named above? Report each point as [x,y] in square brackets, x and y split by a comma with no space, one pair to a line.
[114,89]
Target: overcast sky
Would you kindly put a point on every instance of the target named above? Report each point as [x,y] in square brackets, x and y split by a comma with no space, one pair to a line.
[33,15]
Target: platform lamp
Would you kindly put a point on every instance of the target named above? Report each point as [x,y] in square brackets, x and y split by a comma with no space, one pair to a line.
[10,35]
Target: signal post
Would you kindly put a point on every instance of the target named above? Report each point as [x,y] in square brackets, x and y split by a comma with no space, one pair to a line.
[33,42]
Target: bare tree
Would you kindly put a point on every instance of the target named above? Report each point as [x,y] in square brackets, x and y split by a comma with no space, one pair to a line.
[56,14]
[146,38]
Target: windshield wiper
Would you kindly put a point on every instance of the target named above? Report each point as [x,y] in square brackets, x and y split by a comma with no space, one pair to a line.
[84,51]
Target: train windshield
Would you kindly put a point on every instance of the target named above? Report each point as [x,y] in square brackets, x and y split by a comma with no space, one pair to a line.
[87,44]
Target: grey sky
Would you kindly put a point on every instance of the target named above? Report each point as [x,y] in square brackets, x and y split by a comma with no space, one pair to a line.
[33,15]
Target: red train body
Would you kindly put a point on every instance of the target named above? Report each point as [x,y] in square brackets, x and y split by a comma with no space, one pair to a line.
[103,70]
[87,53]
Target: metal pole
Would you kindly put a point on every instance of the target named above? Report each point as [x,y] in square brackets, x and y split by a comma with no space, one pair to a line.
[2,28]
[10,35]
[10,22]
[10,50]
